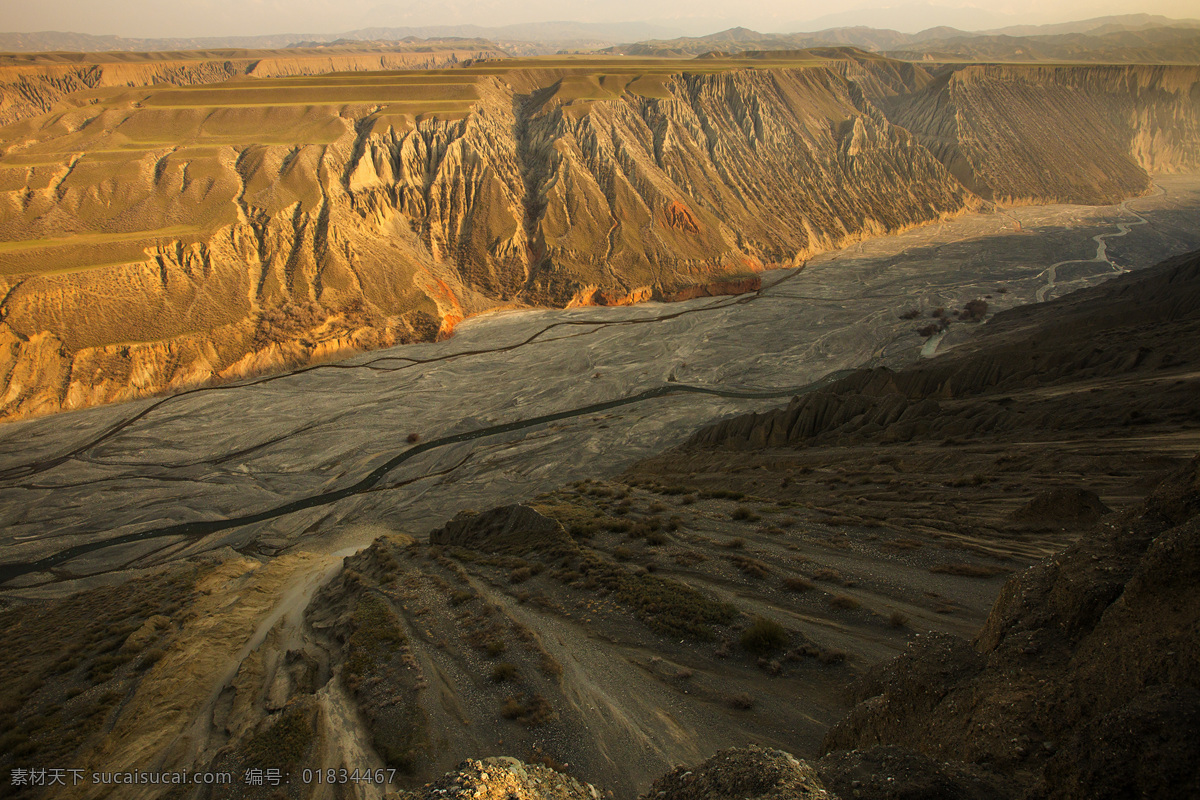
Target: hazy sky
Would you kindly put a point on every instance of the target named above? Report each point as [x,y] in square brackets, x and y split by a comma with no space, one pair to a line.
[243,17]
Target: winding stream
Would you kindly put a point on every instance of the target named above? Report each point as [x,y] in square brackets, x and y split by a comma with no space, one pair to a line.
[1101,256]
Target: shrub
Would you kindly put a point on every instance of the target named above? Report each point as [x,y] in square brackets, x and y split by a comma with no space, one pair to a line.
[844,601]
[830,575]
[533,712]
[742,701]
[550,665]
[504,671]
[764,636]
[831,656]
[929,330]
[151,657]
[520,575]
[795,583]
[973,311]
[413,438]
[750,566]
[512,708]
[897,620]
[912,313]
[744,514]
[734,544]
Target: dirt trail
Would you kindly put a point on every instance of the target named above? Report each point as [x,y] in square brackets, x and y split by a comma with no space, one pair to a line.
[247,682]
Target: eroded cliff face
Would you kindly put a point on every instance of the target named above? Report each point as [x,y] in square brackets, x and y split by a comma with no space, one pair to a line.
[160,238]
[366,225]
[1047,134]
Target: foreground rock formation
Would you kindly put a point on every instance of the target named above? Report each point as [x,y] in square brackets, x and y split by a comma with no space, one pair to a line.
[269,223]
[1083,683]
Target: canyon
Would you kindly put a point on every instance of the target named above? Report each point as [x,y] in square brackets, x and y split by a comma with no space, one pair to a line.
[263,224]
[380,415]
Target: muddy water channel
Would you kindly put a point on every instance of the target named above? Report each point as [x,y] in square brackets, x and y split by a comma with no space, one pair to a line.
[519,403]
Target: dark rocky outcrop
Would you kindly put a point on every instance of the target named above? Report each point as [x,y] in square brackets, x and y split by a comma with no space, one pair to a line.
[1068,507]
[745,774]
[512,529]
[1082,683]
[899,773]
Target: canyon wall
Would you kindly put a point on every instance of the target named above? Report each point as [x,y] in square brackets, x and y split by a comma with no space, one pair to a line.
[162,238]
[1055,134]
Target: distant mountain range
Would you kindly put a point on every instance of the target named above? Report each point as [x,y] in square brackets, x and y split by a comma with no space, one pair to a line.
[1104,36]
[1133,38]
[552,35]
